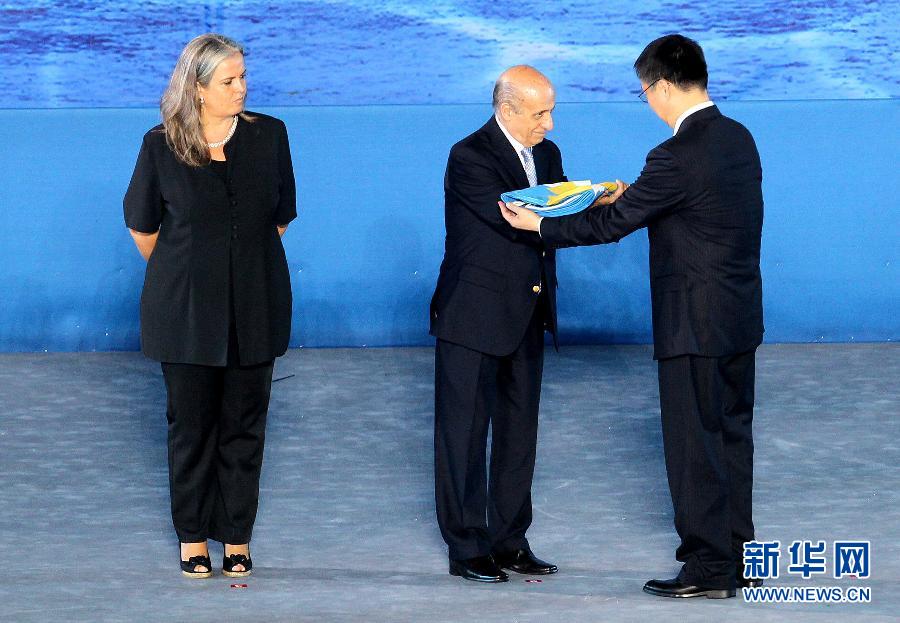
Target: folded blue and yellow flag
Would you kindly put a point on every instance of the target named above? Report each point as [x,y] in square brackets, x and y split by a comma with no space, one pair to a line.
[559,199]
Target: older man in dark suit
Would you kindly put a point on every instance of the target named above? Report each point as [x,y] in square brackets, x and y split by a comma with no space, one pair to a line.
[700,198]
[494,298]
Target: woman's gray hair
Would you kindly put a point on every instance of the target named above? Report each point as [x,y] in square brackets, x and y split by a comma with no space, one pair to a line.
[180,104]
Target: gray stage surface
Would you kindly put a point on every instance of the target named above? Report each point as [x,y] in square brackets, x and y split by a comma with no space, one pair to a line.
[346,528]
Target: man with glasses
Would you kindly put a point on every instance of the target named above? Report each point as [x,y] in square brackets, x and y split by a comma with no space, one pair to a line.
[700,198]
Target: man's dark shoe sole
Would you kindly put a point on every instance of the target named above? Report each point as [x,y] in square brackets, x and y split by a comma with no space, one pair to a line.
[681,590]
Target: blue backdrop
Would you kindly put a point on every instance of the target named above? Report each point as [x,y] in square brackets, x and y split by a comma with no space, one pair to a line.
[361,52]
[363,269]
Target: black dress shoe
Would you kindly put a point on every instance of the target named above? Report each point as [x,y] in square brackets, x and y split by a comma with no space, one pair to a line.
[523,561]
[676,588]
[479,569]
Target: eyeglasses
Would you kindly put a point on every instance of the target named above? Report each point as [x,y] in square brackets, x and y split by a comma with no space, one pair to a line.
[643,94]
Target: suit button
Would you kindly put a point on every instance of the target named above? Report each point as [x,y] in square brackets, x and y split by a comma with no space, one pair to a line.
[234,236]
[233,203]
[536,289]
[234,227]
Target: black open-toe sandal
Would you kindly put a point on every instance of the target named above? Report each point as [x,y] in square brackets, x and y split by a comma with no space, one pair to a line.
[188,566]
[231,561]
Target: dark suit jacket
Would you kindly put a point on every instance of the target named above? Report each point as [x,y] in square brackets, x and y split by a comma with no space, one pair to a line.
[700,198]
[218,258]
[485,294]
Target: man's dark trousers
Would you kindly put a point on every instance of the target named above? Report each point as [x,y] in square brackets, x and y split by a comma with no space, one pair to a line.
[707,417]
[473,391]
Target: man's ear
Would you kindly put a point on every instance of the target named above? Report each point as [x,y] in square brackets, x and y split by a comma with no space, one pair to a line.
[664,85]
[506,111]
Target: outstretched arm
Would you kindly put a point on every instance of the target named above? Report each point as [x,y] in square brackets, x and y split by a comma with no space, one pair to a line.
[659,190]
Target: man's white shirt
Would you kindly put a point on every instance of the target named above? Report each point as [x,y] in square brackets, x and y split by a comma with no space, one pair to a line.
[516,144]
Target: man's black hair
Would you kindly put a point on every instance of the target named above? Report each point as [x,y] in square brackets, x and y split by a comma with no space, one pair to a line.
[674,58]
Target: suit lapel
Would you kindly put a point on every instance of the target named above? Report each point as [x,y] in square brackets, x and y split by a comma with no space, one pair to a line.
[541,163]
[506,154]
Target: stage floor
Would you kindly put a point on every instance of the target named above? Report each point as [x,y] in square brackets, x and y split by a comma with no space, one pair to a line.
[346,528]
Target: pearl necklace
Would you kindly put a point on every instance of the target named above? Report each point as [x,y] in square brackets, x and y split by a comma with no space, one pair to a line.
[227,138]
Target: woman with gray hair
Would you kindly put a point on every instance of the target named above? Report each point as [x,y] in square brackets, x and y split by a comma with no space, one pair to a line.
[211,194]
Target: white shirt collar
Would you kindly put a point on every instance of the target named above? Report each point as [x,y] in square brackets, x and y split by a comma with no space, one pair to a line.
[516,144]
[690,111]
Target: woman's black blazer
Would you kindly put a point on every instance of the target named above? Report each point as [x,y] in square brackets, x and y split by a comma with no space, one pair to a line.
[218,259]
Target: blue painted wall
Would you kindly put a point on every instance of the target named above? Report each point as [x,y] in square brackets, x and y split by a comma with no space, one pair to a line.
[365,250]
